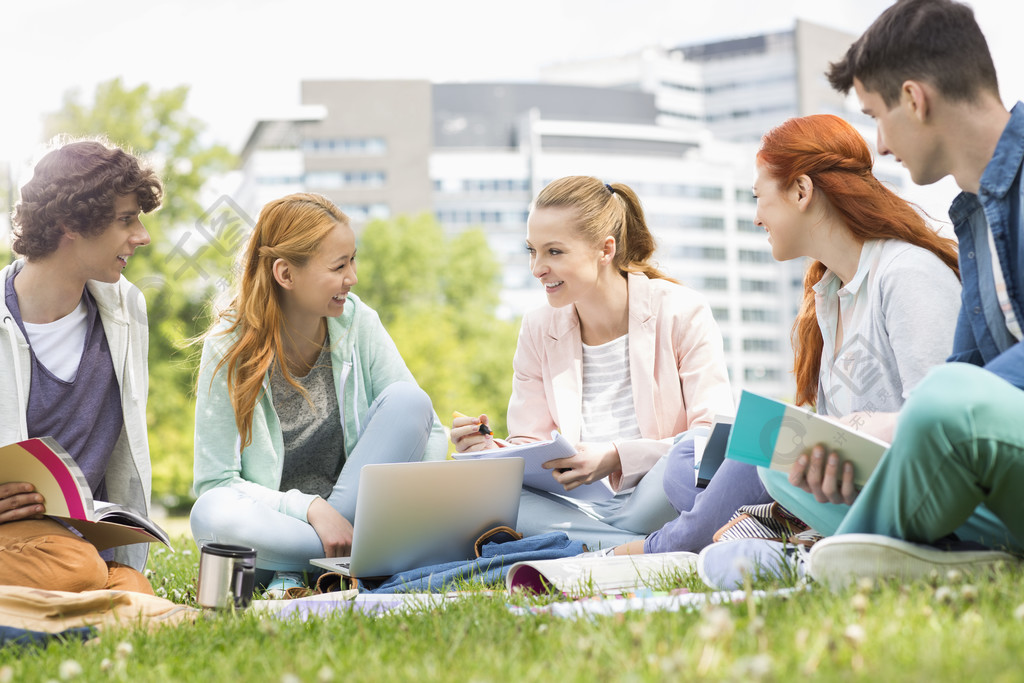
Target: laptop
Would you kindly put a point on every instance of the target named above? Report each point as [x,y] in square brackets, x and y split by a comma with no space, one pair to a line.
[416,514]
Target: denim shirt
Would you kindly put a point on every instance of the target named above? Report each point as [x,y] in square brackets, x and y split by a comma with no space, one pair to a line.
[998,207]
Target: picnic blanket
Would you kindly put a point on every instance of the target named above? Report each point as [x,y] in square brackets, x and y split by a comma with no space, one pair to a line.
[45,611]
[609,606]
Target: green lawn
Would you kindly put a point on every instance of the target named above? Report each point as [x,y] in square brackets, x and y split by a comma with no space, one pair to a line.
[945,629]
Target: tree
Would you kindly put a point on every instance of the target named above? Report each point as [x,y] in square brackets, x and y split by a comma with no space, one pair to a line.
[187,260]
[437,296]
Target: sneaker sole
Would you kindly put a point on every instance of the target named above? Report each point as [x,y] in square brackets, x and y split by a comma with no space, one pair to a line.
[838,561]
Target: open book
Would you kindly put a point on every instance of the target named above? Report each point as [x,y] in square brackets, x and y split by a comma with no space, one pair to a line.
[55,474]
[580,576]
[773,434]
[537,453]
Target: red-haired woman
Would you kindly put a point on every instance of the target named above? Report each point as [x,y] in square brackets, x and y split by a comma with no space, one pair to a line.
[881,298]
[299,386]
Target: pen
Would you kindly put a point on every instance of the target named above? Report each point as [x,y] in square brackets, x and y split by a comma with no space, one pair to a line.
[484,429]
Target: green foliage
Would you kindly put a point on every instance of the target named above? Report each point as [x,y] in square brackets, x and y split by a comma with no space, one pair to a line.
[176,275]
[436,296]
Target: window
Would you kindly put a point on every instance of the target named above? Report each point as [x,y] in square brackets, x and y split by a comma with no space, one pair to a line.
[493,185]
[716,223]
[762,374]
[645,189]
[279,180]
[761,345]
[336,180]
[700,253]
[720,314]
[759,315]
[346,146]
[763,286]
[756,256]
[360,213]
[746,197]
[481,216]
[716,283]
[747,225]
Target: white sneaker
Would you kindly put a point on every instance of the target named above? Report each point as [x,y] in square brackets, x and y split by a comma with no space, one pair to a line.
[278,587]
[722,565]
[838,561]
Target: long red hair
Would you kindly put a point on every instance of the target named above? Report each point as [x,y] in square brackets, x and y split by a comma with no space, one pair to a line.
[835,157]
[290,228]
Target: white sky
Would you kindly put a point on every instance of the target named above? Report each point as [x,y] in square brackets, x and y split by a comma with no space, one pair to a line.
[244,59]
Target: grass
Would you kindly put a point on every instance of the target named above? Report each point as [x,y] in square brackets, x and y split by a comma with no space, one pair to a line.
[938,630]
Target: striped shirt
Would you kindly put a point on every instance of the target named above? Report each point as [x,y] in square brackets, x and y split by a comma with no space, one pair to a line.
[608,413]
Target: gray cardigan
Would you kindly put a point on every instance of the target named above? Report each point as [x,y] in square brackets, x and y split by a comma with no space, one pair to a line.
[122,311]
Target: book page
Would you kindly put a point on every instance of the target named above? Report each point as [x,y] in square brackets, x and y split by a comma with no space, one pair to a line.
[589,575]
[537,453]
[105,535]
[113,513]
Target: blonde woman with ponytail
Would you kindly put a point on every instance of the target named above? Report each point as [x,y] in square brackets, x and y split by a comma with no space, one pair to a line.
[299,386]
[621,361]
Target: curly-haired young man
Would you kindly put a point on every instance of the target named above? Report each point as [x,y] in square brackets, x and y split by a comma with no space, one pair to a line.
[73,358]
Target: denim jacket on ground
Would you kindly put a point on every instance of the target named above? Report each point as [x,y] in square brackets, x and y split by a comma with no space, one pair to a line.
[999,201]
[491,567]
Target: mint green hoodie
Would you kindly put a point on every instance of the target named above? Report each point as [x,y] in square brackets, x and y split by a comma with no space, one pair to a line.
[365,360]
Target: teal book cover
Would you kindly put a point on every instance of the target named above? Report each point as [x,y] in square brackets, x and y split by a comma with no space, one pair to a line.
[755,429]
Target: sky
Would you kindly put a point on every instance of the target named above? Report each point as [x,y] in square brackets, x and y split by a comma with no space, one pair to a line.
[244,60]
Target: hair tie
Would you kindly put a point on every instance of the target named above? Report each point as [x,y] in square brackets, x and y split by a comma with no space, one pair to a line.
[610,188]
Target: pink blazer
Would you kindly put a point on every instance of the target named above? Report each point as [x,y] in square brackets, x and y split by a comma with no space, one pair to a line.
[676,364]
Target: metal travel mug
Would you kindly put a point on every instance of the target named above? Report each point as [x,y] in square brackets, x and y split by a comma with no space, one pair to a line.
[226,576]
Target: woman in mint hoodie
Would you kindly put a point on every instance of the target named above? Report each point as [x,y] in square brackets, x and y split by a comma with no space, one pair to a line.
[299,387]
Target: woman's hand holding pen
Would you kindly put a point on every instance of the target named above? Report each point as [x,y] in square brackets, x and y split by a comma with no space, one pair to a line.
[592,462]
[472,434]
[334,530]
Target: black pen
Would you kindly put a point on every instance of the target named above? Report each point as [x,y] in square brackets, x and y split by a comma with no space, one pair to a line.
[483,429]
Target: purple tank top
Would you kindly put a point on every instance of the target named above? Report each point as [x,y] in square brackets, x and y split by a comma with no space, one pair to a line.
[83,415]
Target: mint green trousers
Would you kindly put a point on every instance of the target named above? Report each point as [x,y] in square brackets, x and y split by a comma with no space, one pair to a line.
[956,465]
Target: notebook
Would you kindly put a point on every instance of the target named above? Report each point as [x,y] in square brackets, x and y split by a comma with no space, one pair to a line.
[713,450]
[416,514]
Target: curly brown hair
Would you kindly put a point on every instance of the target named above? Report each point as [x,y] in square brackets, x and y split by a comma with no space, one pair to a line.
[74,187]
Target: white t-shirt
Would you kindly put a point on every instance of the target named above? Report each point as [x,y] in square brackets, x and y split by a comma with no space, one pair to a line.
[608,413]
[58,345]
[1012,324]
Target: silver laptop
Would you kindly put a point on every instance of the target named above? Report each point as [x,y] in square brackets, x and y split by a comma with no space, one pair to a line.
[416,514]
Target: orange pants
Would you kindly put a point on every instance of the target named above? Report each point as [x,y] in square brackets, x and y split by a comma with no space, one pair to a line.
[40,553]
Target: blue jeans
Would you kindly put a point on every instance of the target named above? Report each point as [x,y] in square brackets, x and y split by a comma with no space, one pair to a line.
[702,512]
[397,427]
[956,465]
[626,517]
